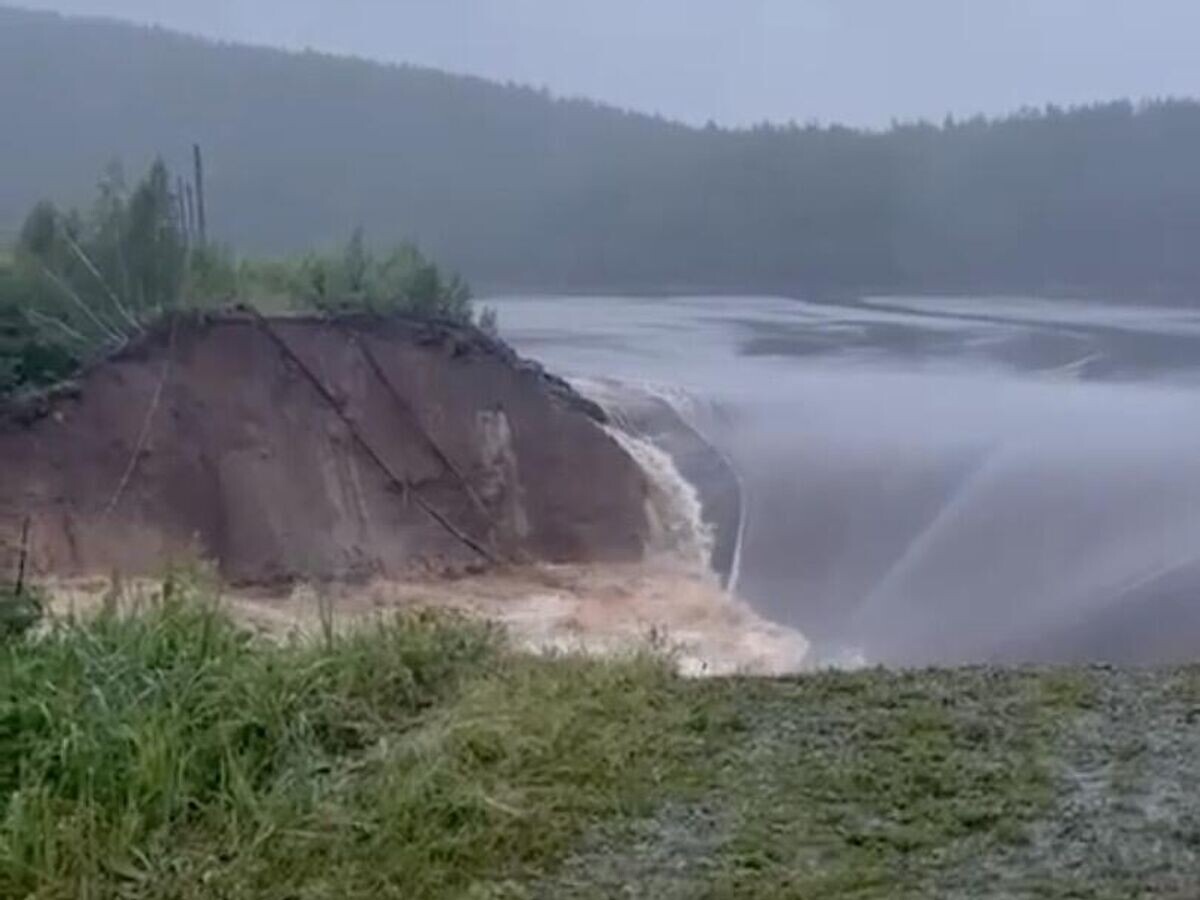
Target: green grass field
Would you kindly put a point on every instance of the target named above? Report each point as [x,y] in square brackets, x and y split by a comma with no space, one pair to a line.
[163,752]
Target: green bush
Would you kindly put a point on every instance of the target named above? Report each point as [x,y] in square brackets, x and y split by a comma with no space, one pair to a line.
[357,280]
[82,283]
[19,611]
[29,354]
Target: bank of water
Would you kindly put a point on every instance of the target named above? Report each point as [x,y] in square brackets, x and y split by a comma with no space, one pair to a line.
[924,481]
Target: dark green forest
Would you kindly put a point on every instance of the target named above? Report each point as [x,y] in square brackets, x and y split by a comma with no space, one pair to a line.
[515,188]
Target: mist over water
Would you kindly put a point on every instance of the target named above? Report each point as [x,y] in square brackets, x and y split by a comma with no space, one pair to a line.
[932,481]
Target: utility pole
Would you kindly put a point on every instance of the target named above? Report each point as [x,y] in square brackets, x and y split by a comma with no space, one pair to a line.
[201,212]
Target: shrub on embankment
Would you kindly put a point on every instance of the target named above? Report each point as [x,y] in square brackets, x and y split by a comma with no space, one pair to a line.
[79,285]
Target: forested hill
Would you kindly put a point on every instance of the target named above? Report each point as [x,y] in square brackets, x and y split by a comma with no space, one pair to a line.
[516,188]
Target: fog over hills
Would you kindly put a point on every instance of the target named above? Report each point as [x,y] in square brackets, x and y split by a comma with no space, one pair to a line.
[517,188]
[739,62]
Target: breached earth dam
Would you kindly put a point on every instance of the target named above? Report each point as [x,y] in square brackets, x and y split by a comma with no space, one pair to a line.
[359,464]
[918,481]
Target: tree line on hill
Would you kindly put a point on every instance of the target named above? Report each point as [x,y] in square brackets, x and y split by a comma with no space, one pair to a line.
[515,188]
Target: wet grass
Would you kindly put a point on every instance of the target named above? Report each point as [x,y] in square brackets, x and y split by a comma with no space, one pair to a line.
[870,785]
[163,752]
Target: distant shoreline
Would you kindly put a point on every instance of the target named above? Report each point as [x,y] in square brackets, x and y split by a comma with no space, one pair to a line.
[1173,298]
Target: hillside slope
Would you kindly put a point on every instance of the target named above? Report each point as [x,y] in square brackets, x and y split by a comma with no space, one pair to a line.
[515,188]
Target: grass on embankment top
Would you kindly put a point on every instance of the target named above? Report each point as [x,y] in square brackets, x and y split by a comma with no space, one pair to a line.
[166,753]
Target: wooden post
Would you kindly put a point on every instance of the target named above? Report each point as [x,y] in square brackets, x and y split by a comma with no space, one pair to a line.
[23,558]
[201,211]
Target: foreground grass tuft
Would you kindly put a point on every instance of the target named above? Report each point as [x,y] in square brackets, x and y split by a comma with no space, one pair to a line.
[164,752]
[19,611]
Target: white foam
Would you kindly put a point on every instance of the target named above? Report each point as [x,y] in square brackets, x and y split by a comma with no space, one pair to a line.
[678,529]
[676,512]
[690,410]
[712,632]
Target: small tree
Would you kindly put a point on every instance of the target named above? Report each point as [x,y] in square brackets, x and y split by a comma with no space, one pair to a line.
[80,284]
[154,246]
[356,266]
[489,322]
[401,281]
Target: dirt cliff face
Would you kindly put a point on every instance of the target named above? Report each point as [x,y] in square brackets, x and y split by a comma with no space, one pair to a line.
[302,448]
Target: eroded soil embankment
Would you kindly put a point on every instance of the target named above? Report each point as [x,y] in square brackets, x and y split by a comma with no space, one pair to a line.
[307,449]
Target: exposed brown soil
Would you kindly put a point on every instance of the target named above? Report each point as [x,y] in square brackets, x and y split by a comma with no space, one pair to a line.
[304,449]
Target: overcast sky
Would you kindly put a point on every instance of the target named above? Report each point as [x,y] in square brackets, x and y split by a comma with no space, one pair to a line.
[860,62]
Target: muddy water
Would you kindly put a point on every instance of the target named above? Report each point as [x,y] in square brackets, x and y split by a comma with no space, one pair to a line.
[602,610]
[950,480]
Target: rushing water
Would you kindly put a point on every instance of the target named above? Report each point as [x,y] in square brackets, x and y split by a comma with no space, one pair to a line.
[949,480]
